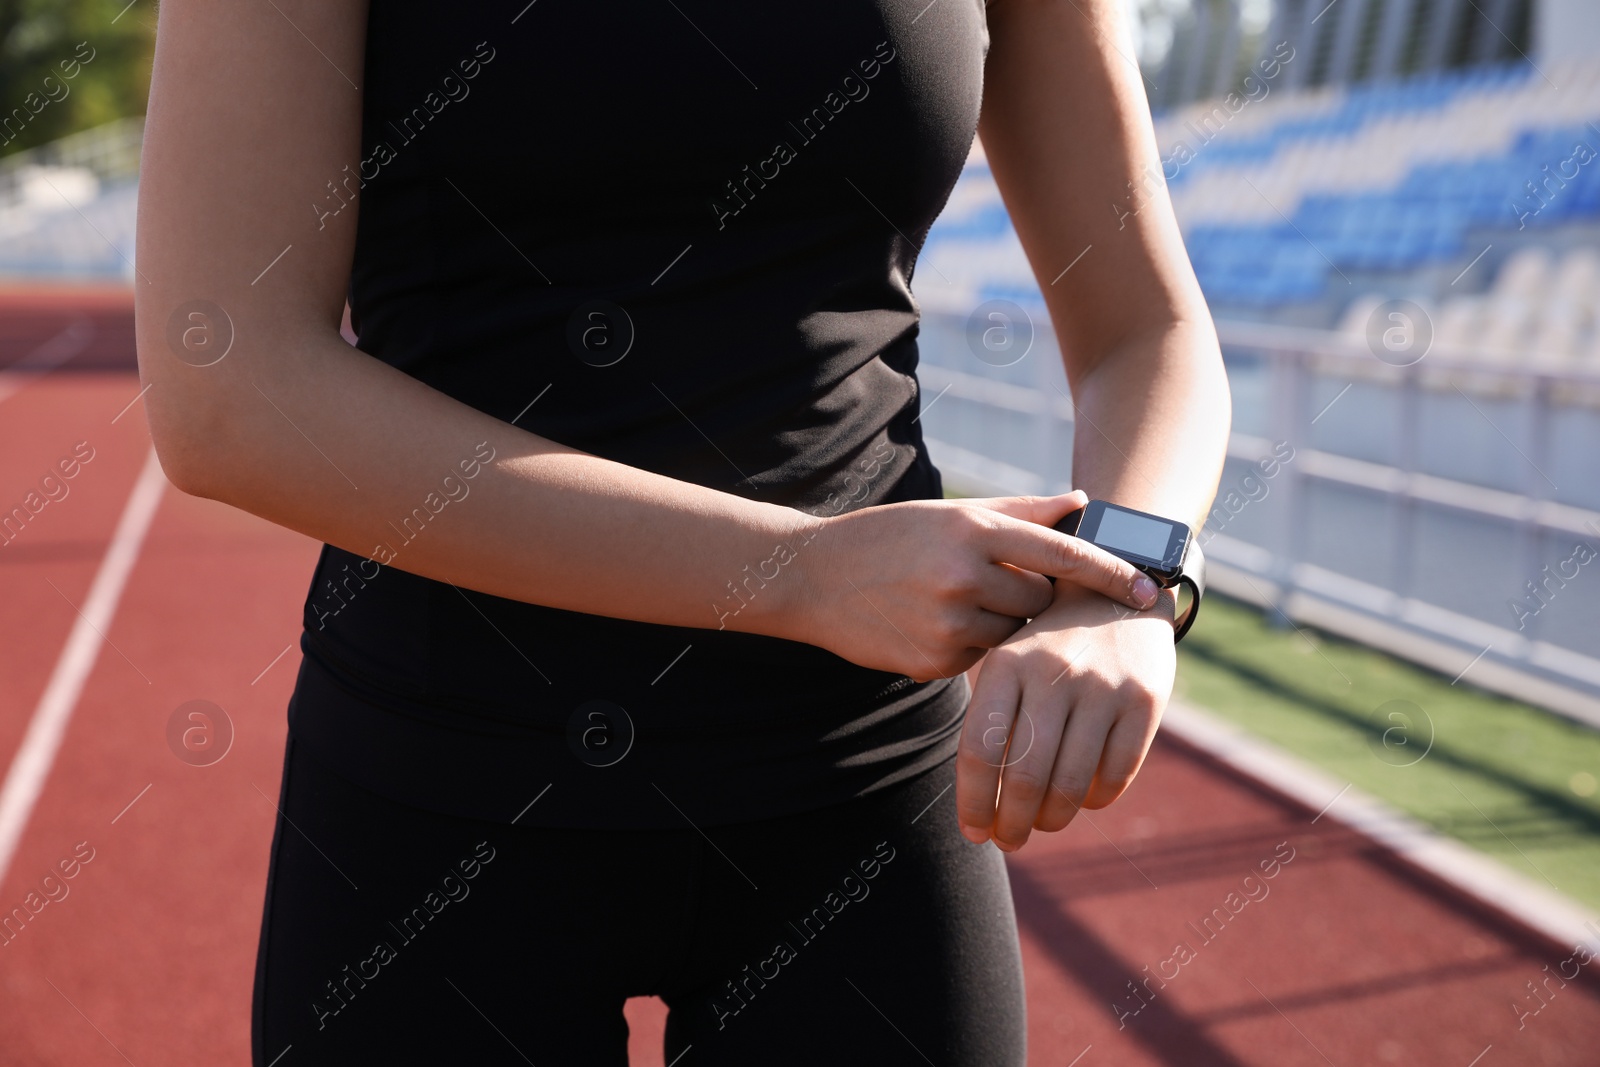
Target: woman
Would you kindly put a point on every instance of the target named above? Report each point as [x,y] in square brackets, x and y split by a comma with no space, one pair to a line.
[633,663]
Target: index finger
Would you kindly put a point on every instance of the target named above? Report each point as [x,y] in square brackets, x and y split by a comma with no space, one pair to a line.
[1057,555]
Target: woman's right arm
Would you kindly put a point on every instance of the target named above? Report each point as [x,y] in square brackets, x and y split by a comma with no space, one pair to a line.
[253,109]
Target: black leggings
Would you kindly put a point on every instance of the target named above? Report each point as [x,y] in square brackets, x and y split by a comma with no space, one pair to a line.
[869,932]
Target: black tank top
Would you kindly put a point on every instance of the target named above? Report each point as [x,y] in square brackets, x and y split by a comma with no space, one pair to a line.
[678,234]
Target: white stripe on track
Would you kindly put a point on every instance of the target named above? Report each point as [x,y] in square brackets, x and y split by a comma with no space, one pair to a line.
[31,765]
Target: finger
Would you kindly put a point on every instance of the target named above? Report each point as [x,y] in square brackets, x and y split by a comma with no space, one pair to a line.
[990,629]
[1009,590]
[1039,510]
[1026,774]
[1076,760]
[1038,548]
[1126,746]
[984,731]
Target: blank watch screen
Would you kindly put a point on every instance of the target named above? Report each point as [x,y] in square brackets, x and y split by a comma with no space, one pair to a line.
[1133,533]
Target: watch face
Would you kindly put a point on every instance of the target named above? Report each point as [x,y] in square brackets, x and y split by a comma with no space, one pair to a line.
[1140,538]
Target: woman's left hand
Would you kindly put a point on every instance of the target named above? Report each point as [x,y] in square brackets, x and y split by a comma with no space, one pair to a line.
[1062,715]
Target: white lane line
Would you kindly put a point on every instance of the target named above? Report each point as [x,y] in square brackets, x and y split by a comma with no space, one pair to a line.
[1533,904]
[31,765]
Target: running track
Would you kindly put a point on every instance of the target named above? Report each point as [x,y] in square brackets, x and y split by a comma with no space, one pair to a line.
[1351,958]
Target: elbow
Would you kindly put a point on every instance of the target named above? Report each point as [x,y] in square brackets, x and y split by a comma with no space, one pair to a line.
[183,454]
[180,468]
[208,423]
[180,412]
[205,414]
[187,428]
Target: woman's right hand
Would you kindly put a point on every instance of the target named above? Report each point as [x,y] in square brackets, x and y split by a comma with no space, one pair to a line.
[925,587]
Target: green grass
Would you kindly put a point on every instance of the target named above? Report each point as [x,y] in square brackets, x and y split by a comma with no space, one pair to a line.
[1510,780]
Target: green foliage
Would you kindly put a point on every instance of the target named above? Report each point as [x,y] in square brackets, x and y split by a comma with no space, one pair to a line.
[40,43]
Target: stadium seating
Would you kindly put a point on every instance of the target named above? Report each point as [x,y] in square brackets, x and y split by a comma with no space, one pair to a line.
[1317,205]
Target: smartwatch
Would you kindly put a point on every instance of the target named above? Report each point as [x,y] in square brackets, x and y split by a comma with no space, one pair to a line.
[1164,549]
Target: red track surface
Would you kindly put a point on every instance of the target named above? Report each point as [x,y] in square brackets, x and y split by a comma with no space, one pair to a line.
[1350,958]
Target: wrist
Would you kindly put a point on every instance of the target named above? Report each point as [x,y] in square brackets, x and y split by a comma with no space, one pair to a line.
[1165,607]
[789,578]
[815,540]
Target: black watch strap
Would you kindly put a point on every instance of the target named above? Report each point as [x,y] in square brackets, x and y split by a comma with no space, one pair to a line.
[1194,576]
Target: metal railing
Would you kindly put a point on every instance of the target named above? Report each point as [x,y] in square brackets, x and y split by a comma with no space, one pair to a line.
[109,151]
[1448,511]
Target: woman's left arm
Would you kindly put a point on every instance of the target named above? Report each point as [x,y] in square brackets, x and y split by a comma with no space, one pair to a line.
[1064,711]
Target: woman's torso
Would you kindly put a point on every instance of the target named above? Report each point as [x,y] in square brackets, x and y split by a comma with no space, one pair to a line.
[679,236]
